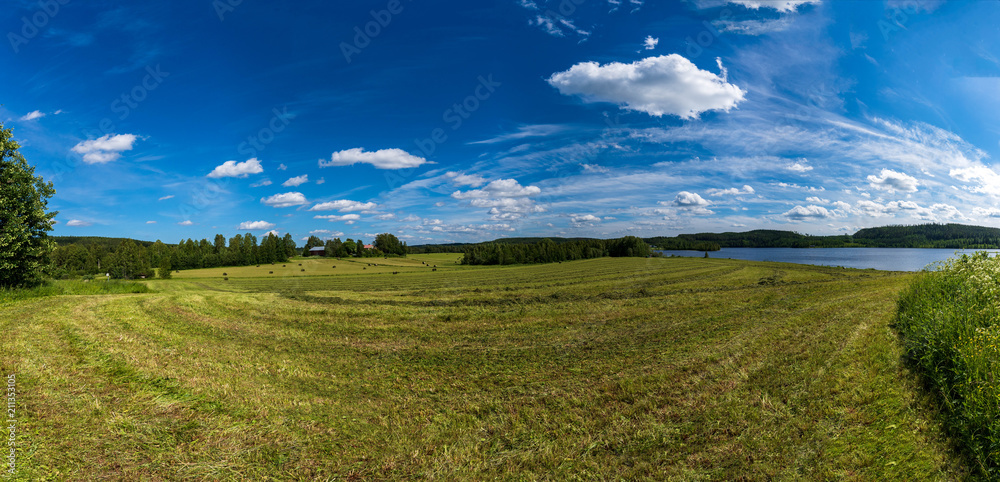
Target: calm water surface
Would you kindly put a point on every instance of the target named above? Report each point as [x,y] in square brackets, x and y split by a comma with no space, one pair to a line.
[889,259]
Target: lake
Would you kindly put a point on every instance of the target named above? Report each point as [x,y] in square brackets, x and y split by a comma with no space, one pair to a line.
[888,259]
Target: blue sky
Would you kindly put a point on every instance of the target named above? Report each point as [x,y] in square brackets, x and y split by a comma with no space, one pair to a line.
[466,121]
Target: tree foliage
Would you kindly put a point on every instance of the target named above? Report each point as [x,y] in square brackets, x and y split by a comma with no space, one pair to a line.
[24,222]
[163,270]
[950,236]
[389,244]
[129,261]
[548,251]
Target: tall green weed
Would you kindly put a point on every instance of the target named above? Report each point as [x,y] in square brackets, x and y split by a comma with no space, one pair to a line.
[949,321]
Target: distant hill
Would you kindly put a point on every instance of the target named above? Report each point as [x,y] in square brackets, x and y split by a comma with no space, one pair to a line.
[949,236]
[931,236]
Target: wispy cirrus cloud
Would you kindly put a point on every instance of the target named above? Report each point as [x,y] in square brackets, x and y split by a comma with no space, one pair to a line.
[30,116]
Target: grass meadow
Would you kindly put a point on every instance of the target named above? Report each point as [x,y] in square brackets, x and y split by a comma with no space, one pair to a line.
[623,369]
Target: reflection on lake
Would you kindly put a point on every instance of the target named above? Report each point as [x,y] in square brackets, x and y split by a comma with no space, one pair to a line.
[889,259]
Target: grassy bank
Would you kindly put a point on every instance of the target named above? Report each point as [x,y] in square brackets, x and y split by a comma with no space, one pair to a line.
[598,369]
[948,321]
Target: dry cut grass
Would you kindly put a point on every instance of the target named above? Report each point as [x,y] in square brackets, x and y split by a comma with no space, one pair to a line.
[655,369]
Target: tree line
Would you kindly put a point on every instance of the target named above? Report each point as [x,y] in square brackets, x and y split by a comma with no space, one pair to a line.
[130,259]
[548,251]
[951,236]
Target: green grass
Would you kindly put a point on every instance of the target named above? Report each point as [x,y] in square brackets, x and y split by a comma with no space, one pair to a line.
[948,320]
[625,369]
[54,288]
[309,267]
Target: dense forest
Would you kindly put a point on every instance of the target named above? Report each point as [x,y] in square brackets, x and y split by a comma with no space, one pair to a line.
[760,238]
[950,236]
[130,259]
[549,251]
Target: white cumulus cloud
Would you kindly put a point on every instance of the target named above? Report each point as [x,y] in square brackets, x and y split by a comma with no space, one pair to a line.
[347,218]
[800,213]
[892,181]
[255,225]
[987,179]
[506,199]
[344,205]
[237,169]
[731,191]
[285,200]
[799,167]
[499,188]
[77,222]
[586,219]
[381,159]
[105,149]
[664,85]
[691,203]
[650,42]
[689,199]
[296,181]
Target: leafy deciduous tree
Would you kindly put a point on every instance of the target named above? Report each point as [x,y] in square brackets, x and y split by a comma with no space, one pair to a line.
[24,224]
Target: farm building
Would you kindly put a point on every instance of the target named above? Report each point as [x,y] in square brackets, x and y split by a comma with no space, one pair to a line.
[316,251]
[369,246]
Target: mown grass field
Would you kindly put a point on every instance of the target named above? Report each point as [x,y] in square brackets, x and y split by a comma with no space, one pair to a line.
[656,369]
[330,267]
